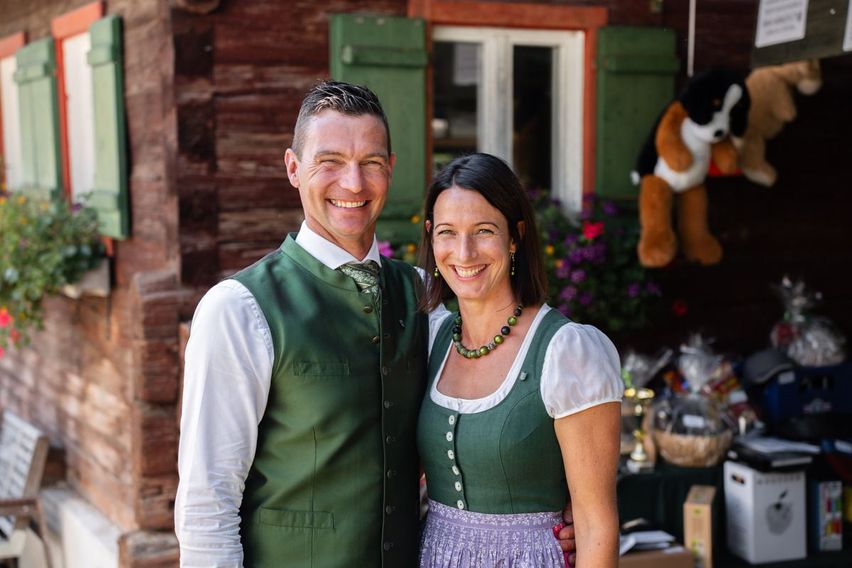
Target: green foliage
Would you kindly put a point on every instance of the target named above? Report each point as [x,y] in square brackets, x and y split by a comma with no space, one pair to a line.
[44,245]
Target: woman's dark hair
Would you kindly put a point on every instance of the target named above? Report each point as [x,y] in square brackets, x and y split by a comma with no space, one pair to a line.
[494,180]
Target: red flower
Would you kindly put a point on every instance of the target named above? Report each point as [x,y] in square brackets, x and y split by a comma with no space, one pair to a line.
[679,308]
[592,230]
[5,318]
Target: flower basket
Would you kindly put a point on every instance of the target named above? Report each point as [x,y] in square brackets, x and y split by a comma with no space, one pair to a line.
[44,246]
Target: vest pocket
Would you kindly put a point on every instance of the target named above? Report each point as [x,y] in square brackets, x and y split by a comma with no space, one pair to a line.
[295,519]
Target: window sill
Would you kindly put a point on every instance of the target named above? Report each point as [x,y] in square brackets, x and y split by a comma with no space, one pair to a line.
[94,283]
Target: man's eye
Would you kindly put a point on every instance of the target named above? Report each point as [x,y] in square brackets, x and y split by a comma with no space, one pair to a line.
[485,232]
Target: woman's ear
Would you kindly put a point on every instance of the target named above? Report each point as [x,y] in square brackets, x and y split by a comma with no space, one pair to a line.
[428,224]
[521,229]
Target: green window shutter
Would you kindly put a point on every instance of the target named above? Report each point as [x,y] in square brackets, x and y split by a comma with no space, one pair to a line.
[109,196]
[36,79]
[389,56]
[636,79]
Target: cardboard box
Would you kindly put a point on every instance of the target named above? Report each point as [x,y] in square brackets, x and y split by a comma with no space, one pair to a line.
[672,557]
[825,521]
[765,513]
[698,524]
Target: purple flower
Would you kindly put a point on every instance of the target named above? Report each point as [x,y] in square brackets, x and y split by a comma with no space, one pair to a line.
[634,289]
[653,289]
[565,309]
[564,270]
[609,208]
[568,293]
[585,299]
[578,276]
[385,248]
[570,239]
[576,256]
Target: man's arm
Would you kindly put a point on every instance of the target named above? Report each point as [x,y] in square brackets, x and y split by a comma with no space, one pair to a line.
[228,366]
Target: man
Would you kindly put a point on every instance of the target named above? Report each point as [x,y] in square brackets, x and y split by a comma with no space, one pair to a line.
[304,374]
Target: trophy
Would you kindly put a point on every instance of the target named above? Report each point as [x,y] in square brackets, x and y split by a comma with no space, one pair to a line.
[640,399]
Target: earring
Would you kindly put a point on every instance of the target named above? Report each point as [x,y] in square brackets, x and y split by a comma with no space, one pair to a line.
[436,273]
[512,256]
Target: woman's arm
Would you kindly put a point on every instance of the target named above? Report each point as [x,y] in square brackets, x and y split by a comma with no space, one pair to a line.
[589,441]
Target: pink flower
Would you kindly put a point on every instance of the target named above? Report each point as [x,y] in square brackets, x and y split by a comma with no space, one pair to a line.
[5,318]
[592,230]
[385,248]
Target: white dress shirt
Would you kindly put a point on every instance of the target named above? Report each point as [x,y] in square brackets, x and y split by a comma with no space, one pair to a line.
[227,377]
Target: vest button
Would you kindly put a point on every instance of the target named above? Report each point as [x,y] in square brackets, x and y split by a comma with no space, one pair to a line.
[449,436]
[451,419]
[458,486]
[391,473]
[387,404]
[390,439]
[389,509]
[376,340]
[456,470]
[387,545]
[451,454]
[384,370]
[368,309]
[460,504]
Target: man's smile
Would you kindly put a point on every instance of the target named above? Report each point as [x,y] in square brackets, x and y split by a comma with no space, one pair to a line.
[347,204]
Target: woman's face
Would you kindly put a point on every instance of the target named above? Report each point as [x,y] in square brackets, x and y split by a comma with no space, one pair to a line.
[471,243]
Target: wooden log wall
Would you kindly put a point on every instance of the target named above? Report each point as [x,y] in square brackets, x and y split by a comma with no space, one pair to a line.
[102,378]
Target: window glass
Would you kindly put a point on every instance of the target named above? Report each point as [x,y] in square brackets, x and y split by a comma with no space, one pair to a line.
[80,112]
[11,159]
[457,78]
[532,111]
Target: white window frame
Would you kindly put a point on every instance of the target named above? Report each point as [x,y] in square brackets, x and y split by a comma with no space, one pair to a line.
[494,119]
[12,160]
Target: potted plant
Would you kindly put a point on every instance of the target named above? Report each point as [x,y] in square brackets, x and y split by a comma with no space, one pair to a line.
[44,246]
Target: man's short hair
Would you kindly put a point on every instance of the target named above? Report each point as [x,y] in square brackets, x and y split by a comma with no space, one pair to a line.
[345,98]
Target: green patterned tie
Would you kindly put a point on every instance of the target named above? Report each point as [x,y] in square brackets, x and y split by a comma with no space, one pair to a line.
[365,275]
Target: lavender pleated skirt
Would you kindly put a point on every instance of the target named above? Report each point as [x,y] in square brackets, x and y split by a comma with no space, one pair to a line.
[453,538]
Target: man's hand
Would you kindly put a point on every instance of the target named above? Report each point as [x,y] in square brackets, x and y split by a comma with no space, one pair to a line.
[564,533]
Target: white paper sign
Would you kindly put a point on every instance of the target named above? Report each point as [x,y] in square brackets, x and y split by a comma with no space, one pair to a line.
[847,35]
[780,21]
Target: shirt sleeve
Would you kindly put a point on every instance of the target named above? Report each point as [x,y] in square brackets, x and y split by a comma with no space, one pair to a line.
[581,369]
[227,376]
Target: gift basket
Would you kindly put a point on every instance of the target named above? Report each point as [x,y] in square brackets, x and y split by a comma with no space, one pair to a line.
[692,428]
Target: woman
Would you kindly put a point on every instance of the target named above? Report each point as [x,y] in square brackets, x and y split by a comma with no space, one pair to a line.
[520,398]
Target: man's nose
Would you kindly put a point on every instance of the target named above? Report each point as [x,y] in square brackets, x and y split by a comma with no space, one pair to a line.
[351,178]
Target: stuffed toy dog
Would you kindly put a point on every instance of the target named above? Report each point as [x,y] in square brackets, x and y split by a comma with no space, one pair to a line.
[698,126]
[770,89]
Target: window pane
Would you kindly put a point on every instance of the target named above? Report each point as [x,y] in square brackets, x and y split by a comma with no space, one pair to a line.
[532,111]
[12,160]
[456,81]
[81,114]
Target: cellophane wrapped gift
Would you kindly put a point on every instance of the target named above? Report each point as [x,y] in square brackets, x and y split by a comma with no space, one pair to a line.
[807,339]
[693,429]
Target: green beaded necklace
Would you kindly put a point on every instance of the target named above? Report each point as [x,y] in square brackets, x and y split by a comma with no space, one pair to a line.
[485,349]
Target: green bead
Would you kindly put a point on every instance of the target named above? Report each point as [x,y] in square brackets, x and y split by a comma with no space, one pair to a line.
[498,339]
[456,337]
[475,354]
[483,351]
[512,320]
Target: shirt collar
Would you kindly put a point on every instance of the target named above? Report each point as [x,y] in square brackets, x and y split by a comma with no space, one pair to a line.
[329,253]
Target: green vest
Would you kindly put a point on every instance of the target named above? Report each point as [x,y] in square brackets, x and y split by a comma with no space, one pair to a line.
[502,460]
[334,481]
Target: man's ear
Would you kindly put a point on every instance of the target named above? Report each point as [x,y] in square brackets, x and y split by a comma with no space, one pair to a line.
[291,161]
[391,163]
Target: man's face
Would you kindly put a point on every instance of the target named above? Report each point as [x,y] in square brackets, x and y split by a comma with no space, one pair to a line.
[343,177]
